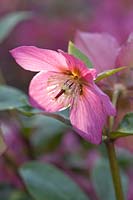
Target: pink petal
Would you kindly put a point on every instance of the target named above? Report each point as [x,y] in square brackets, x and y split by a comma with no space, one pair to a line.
[44,87]
[101,49]
[107,104]
[125,57]
[130,38]
[89,113]
[37,59]
[77,66]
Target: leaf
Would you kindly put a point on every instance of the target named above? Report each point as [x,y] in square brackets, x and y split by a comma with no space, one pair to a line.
[11,98]
[108,73]
[73,50]
[47,133]
[19,195]
[8,22]
[30,111]
[8,192]
[5,191]
[103,183]
[46,182]
[118,134]
[125,127]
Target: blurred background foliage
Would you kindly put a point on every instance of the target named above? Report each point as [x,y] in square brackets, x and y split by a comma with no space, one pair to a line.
[51,24]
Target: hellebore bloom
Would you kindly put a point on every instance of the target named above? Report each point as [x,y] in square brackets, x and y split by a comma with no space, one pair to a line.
[105,52]
[64,81]
[101,48]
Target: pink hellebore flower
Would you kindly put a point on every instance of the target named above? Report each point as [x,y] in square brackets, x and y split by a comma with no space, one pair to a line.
[105,52]
[64,81]
[101,48]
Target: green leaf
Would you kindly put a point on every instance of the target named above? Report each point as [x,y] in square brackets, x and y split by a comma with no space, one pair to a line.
[27,110]
[108,73]
[8,192]
[11,98]
[118,134]
[19,195]
[102,181]
[46,182]
[5,191]
[125,127]
[8,22]
[73,50]
[47,133]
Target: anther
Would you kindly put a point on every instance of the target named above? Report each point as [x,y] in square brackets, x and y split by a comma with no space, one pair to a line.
[60,93]
[67,86]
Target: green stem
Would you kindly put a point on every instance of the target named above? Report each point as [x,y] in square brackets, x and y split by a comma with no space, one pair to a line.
[114,170]
[112,154]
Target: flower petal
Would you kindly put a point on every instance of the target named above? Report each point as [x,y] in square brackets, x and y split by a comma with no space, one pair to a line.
[130,38]
[89,113]
[125,58]
[45,87]
[107,104]
[101,49]
[37,59]
[77,66]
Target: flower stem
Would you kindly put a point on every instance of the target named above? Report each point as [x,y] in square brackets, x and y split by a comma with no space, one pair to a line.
[112,154]
[114,170]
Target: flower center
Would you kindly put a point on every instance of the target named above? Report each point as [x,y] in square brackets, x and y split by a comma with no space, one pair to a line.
[71,86]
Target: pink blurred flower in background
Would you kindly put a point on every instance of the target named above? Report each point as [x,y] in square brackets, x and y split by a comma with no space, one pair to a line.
[14,156]
[65,81]
[101,49]
[15,143]
[114,17]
